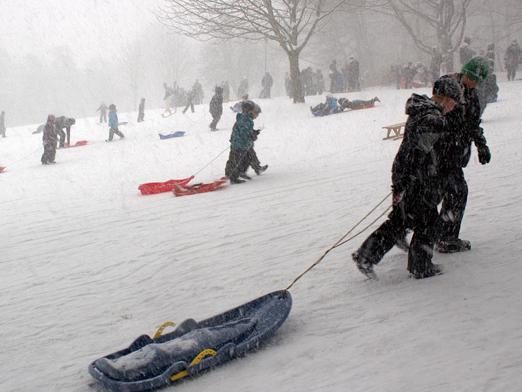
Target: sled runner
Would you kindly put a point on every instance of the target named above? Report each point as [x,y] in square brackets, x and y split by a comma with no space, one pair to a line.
[171,134]
[79,143]
[185,190]
[193,347]
[153,188]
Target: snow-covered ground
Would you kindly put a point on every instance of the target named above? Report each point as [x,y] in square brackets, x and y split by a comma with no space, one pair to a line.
[87,264]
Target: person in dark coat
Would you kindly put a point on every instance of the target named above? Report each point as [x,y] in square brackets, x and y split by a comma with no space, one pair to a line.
[113,123]
[354,83]
[267,82]
[2,124]
[465,52]
[241,141]
[216,107]
[63,129]
[456,145]
[103,113]
[191,96]
[415,183]
[512,59]
[49,140]
[141,110]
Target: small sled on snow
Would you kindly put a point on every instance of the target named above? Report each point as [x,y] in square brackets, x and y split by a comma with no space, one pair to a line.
[153,188]
[193,347]
[170,135]
[79,143]
[186,190]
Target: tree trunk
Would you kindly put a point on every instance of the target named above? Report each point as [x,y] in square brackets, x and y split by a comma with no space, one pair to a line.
[295,77]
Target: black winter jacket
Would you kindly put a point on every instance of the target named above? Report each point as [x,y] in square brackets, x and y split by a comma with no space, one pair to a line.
[464,123]
[417,161]
[216,105]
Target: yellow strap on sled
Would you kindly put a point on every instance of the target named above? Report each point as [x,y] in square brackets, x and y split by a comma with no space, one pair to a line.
[184,373]
[162,328]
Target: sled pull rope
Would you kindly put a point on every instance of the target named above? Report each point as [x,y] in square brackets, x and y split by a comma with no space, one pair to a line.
[208,164]
[162,327]
[343,240]
[184,373]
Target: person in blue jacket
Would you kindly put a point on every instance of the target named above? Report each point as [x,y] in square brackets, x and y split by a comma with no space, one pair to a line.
[241,141]
[113,123]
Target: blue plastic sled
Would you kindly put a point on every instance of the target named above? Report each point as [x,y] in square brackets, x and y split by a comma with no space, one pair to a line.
[193,347]
[171,135]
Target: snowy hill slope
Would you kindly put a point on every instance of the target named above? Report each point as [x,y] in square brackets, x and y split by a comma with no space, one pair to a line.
[88,264]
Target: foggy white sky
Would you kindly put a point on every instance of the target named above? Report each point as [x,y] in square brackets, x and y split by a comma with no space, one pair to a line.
[91,28]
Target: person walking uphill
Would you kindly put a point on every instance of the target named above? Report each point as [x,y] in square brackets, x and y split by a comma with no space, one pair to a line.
[216,107]
[241,141]
[113,123]
[49,140]
[415,184]
[456,146]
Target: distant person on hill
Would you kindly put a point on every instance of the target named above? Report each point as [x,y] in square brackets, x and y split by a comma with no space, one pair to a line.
[49,140]
[241,141]
[267,82]
[2,124]
[512,59]
[62,123]
[141,110]
[113,123]
[103,113]
[191,96]
[216,107]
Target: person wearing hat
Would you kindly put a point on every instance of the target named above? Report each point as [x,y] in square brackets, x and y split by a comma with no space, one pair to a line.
[415,183]
[512,59]
[456,145]
[113,123]
[241,141]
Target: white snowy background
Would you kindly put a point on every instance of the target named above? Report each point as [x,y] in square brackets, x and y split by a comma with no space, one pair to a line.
[88,264]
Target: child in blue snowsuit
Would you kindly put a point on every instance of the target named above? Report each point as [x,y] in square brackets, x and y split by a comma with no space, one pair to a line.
[113,123]
[329,107]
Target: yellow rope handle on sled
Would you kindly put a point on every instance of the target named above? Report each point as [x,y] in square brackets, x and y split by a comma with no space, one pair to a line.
[184,373]
[162,327]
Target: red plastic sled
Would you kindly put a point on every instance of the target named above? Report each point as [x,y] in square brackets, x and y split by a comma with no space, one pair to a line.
[79,143]
[186,190]
[153,188]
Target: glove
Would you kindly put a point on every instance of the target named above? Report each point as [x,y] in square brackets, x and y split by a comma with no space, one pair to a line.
[397,197]
[483,154]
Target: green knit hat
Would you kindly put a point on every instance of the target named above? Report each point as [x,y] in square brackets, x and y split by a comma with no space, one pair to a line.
[477,69]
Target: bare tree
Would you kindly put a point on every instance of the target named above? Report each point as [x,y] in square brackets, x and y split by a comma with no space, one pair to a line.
[290,23]
[446,19]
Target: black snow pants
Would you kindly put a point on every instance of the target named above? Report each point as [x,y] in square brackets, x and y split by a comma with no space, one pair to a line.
[215,120]
[237,159]
[417,211]
[454,200]
[116,131]
[252,161]
[49,154]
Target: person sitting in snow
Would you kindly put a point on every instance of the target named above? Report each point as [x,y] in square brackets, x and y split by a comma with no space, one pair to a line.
[417,176]
[113,123]
[345,103]
[331,106]
[241,141]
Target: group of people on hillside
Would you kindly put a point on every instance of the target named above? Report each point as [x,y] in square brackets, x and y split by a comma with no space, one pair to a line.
[428,171]
[346,79]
